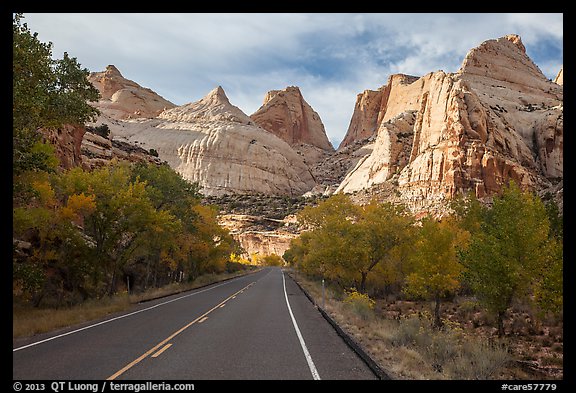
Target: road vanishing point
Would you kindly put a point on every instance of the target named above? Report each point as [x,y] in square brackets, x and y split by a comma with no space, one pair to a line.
[260,326]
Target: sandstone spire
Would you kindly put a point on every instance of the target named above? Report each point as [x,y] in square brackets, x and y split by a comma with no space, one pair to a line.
[504,59]
[374,107]
[287,115]
[215,106]
[112,72]
[560,77]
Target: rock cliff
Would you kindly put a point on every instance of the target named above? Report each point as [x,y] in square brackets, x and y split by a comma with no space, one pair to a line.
[287,115]
[415,140]
[214,143]
[374,107]
[79,146]
[497,119]
[560,77]
[420,139]
[98,150]
[67,141]
[122,98]
[258,235]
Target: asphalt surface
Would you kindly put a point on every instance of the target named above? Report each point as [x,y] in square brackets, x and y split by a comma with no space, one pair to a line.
[257,327]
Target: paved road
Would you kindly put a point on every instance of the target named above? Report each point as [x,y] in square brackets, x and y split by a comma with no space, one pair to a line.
[259,326]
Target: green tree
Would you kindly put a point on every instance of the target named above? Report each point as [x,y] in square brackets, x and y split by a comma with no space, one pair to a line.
[511,253]
[297,251]
[209,245]
[169,191]
[468,212]
[57,245]
[123,214]
[385,230]
[46,93]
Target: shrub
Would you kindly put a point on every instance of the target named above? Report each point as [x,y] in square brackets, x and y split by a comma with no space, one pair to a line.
[102,130]
[479,359]
[360,303]
[447,352]
[407,331]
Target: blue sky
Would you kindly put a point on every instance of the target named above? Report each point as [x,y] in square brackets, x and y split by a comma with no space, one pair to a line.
[332,57]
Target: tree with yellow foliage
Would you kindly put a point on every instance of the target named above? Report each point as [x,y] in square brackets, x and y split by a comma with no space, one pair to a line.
[352,244]
[434,268]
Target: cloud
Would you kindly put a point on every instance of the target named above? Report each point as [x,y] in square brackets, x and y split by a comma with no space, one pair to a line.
[332,57]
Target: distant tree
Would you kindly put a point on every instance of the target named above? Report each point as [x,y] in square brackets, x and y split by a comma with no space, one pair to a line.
[272,260]
[548,292]
[208,245]
[556,219]
[468,211]
[103,130]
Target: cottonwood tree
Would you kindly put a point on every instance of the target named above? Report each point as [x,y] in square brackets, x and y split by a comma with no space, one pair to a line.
[513,254]
[59,254]
[434,266]
[123,216]
[349,243]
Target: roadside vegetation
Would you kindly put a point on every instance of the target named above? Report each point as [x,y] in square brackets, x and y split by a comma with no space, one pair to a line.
[28,321]
[88,235]
[473,295]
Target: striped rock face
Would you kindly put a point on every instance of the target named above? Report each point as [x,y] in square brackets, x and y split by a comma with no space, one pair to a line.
[214,143]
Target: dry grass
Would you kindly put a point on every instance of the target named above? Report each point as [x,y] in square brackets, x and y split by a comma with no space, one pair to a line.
[28,321]
[399,337]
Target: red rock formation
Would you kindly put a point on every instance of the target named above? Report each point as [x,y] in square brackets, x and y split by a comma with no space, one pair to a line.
[287,115]
[67,141]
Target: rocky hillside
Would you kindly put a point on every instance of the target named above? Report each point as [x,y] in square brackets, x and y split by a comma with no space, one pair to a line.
[262,224]
[497,119]
[215,144]
[428,138]
[415,140]
[87,148]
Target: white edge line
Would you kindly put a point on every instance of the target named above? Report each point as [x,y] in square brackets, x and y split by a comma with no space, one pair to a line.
[311,365]
[119,317]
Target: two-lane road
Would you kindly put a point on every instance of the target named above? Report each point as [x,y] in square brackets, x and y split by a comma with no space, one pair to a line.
[259,326]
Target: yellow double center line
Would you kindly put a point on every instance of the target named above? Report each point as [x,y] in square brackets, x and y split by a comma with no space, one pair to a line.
[163,342]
